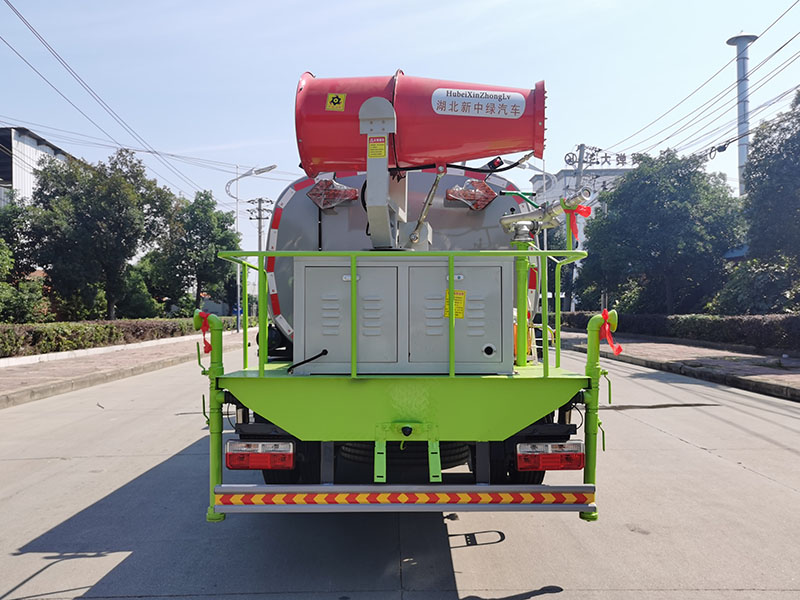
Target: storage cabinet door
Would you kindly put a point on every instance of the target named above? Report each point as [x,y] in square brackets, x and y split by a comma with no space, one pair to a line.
[478,334]
[327,314]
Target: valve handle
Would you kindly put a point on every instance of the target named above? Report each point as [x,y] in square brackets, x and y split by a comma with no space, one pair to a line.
[603,434]
[604,373]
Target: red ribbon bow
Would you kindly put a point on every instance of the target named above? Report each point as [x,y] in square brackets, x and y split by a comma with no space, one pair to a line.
[605,332]
[583,211]
[204,328]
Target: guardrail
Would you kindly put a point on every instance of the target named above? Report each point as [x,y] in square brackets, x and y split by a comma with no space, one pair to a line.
[523,255]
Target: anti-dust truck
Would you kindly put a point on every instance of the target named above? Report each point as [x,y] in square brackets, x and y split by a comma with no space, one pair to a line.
[408,354]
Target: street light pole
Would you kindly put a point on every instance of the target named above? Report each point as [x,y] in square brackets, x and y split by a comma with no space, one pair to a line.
[253,171]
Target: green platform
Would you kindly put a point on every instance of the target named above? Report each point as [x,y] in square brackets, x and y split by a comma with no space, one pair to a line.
[466,407]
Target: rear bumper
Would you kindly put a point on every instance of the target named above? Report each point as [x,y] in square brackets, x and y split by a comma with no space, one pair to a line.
[230,498]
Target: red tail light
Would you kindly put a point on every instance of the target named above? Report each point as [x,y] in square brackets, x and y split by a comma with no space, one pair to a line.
[550,457]
[259,455]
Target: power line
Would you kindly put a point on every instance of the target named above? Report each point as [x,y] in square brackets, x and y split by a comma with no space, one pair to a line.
[98,99]
[763,81]
[47,81]
[714,143]
[71,103]
[702,85]
[706,106]
[92,141]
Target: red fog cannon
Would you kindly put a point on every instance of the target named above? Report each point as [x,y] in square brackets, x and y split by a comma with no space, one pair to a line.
[438,122]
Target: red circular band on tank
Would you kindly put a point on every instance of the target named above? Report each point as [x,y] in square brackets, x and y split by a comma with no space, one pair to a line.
[438,121]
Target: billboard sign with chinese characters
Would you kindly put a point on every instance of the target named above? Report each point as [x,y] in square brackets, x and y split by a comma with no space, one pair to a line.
[596,156]
[478,103]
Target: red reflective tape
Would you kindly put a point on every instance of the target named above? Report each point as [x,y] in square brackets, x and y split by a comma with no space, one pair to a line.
[581,499]
[247,499]
[352,499]
[225,499]
[558,498]
[276,217]
[271,264]
[454,499]
[276,306]
[269,499]
[495,498]
[474,498]
[412,499]
[301,185]
[537,498]
[372,498]
[516,498]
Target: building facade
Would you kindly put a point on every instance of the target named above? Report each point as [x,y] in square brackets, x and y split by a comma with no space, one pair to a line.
[21,150]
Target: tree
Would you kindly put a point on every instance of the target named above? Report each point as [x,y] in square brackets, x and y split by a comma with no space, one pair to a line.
[21,301]
[207,231]
[772,180]
[759,287]
[187,254]
[88,222]
[660,247]
[13,225]
[137,301]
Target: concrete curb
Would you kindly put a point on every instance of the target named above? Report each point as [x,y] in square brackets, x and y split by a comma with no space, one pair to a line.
[38,392]
[703,373]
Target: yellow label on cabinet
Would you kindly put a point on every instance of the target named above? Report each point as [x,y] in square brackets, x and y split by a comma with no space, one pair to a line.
[459,303]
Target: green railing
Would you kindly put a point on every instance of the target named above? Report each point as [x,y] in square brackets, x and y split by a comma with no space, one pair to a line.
[522,254]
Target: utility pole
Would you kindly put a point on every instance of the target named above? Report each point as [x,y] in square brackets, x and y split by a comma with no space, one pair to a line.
[579,176]
[261,213]
[742,42]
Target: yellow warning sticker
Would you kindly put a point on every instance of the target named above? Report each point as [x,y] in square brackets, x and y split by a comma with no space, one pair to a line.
[376,146]
[335,102]
[459,303]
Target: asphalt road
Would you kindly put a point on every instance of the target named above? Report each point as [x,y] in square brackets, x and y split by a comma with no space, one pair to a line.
[103,493]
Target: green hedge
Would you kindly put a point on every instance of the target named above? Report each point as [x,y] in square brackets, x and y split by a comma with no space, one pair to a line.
[760,331]
[41,338]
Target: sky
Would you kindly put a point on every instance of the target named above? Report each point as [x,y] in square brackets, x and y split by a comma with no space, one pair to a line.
[215,82]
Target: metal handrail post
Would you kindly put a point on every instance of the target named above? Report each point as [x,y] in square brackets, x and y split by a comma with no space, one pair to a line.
[245,318]
[557,316]
[353,318]
[521,266]
[451,323]
[263,342]
[545,322]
